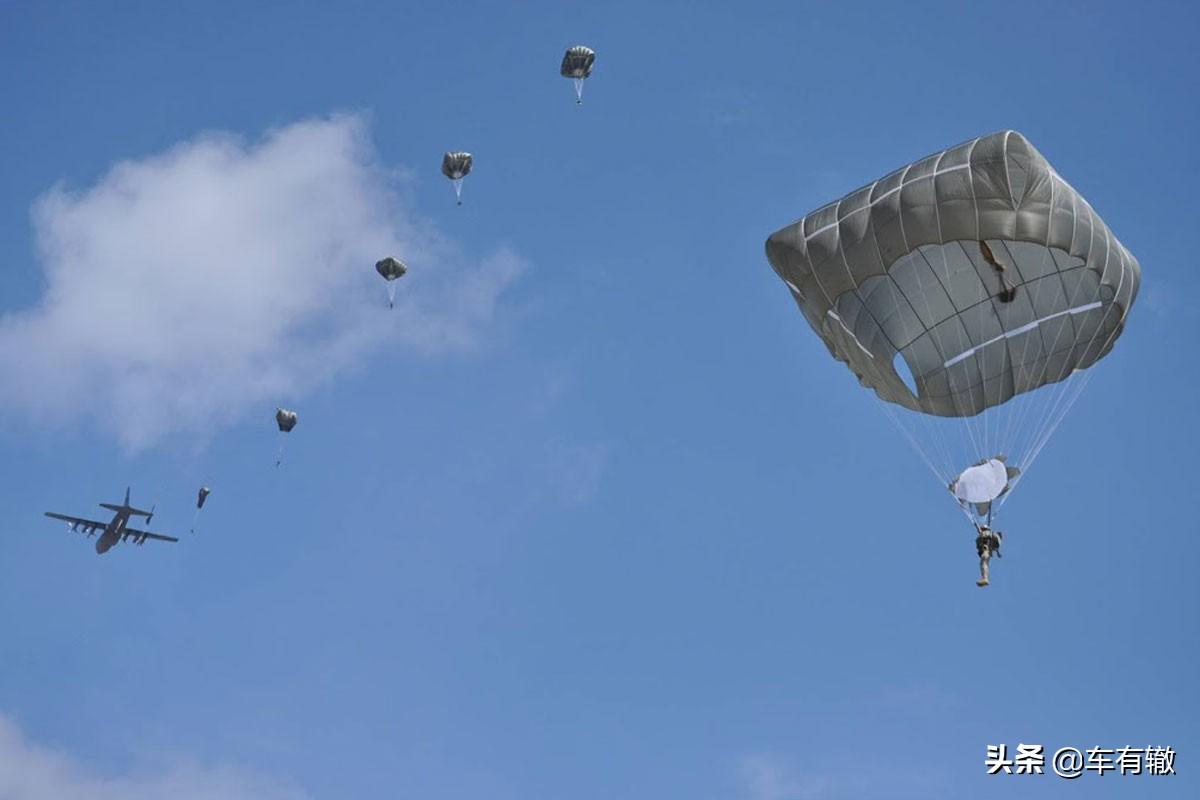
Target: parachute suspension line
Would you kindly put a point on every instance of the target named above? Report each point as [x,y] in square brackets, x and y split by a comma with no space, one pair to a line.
[1058,416]
[391,293]
[457,189]
[1042,409]
[1018,407]
[1037,446]
[579,91]
[1030,444]
[883,405]
[1047,405]
[1049,420]
[1023,411]
[935,433]
[1082,381]
[1035,402]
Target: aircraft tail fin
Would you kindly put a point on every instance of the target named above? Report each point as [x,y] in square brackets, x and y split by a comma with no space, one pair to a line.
[137,512]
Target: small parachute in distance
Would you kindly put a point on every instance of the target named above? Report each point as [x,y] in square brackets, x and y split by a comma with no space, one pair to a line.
[286,419]
[456,165]
[201,496]
[390,269]
[577,65]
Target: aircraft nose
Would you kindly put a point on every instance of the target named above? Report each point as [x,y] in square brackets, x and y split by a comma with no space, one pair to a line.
[101,547]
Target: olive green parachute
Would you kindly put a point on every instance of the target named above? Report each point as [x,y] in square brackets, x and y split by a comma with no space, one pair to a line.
[577,65]
[456,165]
[390,269]
[974,286]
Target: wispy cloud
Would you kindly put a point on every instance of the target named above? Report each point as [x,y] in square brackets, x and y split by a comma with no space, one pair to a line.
[186,288]
[30,771]
[849,776]
[916,698]
[572,473]
[1160,299]
[766,777]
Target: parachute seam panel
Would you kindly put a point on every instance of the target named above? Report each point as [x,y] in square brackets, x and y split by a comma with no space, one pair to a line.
[870,202]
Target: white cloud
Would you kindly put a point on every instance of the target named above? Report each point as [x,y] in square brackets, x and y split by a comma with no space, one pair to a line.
[852,774]
[187,288]
[29,771]
[766,777]
[568,473]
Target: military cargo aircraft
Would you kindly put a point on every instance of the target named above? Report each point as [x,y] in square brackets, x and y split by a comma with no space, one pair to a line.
[116,530]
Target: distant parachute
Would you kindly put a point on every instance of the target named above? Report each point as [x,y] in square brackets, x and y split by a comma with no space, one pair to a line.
[201,496]
[286,420]
[456,165]
[577,65]
[972,291]
[391,269]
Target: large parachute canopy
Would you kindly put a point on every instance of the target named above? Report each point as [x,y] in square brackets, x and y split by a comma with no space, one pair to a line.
[970,291]
[577,65]
[456,165]
[390,269]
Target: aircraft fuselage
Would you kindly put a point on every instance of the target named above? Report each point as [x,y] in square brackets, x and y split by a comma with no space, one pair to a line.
[112,532]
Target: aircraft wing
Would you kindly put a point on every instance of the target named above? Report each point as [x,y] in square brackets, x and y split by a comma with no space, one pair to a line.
[141,536]
[79,523]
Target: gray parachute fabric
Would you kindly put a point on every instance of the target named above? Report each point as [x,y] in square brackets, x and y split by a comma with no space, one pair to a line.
[286,419]
[390,269]
[972,285]
[577,65]
[456,165]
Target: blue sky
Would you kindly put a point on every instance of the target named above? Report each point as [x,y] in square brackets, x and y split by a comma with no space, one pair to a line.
[595,515]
